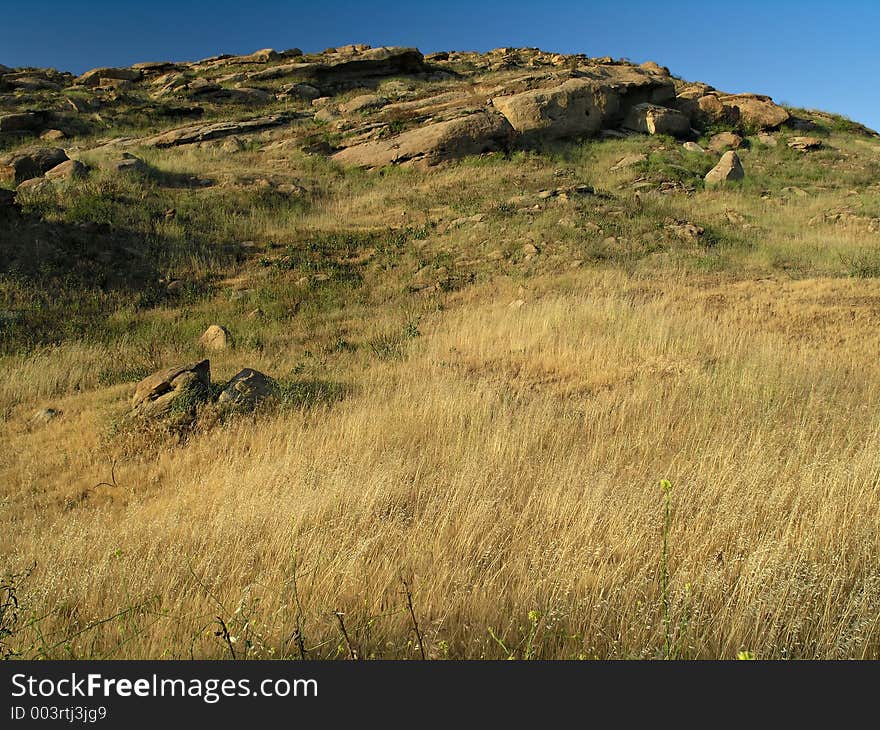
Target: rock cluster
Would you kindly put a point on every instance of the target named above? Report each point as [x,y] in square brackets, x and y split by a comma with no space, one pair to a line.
[374,107]
[180,390]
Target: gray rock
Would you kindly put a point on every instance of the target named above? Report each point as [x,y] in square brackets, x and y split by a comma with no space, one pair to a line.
[246,390]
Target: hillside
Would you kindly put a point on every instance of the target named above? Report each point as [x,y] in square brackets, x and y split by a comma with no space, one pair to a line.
[491,301]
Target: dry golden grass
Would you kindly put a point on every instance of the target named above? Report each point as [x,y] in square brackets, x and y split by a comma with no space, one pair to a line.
[508,465]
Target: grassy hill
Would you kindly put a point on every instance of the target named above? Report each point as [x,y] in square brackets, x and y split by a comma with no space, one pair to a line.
[484,368]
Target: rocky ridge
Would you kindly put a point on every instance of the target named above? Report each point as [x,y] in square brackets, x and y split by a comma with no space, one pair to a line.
[372,107]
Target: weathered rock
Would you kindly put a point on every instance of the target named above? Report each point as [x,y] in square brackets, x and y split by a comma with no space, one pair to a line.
[178,389]
[575,108]
[246,390]
[205,132]
[216,337]
[756,111]
[729,168]
[472,134]
[34,163]
[767,139]
[693,147]
[68,170]
[805,144]
[97,75]
[724,141]
[653,119]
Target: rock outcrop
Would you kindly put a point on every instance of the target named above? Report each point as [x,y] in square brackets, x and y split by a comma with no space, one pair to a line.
[574,108]
[178,389]
[472,134]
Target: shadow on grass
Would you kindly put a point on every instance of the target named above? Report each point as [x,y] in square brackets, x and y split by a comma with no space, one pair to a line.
[306,394]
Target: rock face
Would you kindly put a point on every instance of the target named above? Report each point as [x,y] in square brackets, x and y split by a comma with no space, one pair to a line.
[246,390]
[175,389]
[34,163]
[216,337]
[728,168]
[653,119]
[473,134]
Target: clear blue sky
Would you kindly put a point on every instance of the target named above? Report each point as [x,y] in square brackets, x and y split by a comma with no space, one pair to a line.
[820,54]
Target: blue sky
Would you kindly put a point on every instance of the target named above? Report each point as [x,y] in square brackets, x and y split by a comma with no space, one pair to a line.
[815,54]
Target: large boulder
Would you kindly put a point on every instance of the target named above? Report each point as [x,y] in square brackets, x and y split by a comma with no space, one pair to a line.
[175,390]
[756,111]
[729,168]
[247,390]
[472,134]
[17,168]
[653,119]
[97,75]
[575,108]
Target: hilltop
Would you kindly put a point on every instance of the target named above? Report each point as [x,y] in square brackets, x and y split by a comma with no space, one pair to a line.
[284,331]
